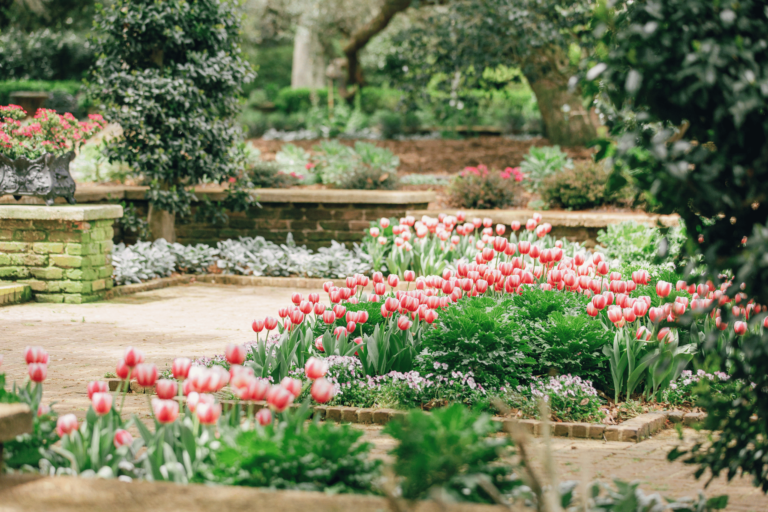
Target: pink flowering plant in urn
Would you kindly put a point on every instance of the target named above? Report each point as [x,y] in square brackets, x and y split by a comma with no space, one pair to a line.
[35,154]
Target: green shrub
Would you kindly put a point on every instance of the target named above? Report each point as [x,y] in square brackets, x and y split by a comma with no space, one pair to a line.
[581,187]
[542,162]
[290,454]
[291,100]
[389,123]
[253,122]
[451,450]
[477,187]
[44,55]
[479,335]
[636,243]
[373,99]
[364,167]
[265,174]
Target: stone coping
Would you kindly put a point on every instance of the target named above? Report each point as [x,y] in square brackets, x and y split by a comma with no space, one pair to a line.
[95,193]
[75,213]
[559,218]
[15,420]
[14,293]
[35,493]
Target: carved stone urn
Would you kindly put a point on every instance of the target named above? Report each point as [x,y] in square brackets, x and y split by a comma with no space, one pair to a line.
[46,177]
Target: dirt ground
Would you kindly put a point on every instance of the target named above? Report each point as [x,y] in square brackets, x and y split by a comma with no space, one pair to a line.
[440,156]
[85,341]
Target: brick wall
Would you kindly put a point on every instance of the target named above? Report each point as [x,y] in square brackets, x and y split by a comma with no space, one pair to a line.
[62,261]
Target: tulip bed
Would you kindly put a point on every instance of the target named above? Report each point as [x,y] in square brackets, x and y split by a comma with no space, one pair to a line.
[498,327]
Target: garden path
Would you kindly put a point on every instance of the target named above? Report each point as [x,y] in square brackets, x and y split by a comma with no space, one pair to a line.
[85,341]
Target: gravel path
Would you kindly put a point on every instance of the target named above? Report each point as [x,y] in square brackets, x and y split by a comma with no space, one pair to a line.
[85,341]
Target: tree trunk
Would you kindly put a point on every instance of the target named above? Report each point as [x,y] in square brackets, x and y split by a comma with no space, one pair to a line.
[308,68]
[566,121]
[162,224]
[364,34]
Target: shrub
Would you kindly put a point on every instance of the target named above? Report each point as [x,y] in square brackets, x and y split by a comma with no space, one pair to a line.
[581,187]
[365,166]
[389,123]
[291,455]
[290,100]
[263,174]
[542,162]
[478,335]
[636,243]
[44,55]
[156,80]
[9,86]
[477,187]
[450,450]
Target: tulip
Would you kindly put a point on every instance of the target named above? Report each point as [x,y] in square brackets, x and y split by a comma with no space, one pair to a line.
[208,414]
[66,424]
[315,368]
[166,389]
[37,372]
[279,398]
[122,438]
[765,323]
[663,288]
[102,403]
[740,328]
[530,224]
[663,333]
[524,247]
[322,391]
[306,307]
[235,354]
[133,356]
[393,280]
[339,311]
[296,298]
[403,323]
[122,370]
[408,276]
[257,326]
[35,355]
[351,326]
[384,223]
[628,314]
[643,333]
[296,317]
[362,317]
[615,314]
[42,410]
[292,385]
[146,374]
[166,411]
[500,229]
[640,308]
[656,314]
[270,323]
[96,387]
[180,367]
[264,417]
[534,252]
[592,310]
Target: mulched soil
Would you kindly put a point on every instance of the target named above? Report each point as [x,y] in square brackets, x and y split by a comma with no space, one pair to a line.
[441,156]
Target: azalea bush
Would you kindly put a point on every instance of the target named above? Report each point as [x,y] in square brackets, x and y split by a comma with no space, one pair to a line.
[47,133]
[480,188]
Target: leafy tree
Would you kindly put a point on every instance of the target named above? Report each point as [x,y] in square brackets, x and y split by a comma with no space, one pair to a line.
[457,49]
[170,74]
[684,89]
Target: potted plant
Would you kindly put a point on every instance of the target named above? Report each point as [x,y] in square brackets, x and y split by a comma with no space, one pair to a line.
[35,155]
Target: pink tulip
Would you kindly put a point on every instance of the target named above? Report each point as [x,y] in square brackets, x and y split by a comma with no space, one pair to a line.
[322,391]
[315,368]
[530,224]
[133,357]
[166,389]
[180,367]
[663,333]
[393,280]
[384,223]
[257,326]
[640,308]
[264,417]
[102,403]
[339,311]
[42,410]
[66,424]
[35,355]
[270,323]
[122,370]
[663,288]
[37,372]
[319,344]
[740,328]
[656,314]
[592,310]
[409,276]
[430,316]
[122,438]
[166,411]
[279,398]
[403,323]
[296,298]
[146,374]
[296,317]
[235,354]
[329,317]
[292,385]
[283,312]
[257,389]
[208,414]
[96,387]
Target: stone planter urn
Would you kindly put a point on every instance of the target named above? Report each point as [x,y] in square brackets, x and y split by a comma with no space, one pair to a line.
[46,177]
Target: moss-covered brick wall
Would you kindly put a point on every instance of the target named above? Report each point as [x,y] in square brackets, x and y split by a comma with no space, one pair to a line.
[61,260]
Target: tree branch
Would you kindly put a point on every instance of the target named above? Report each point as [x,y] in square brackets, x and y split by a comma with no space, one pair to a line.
[364,34]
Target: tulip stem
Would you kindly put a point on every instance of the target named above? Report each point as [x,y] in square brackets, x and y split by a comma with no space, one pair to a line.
[125,390]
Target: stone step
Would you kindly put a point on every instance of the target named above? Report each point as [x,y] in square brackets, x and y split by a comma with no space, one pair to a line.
[14,294]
